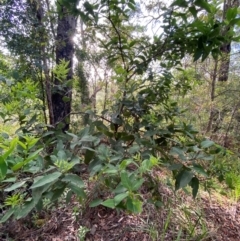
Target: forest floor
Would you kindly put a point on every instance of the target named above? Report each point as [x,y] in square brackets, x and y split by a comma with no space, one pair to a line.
[208,217]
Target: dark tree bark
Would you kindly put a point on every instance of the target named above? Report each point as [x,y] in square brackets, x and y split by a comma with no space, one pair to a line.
[64,51]
[226,48]
[225,62]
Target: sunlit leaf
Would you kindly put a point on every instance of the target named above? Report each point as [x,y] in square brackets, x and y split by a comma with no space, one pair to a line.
[15,186]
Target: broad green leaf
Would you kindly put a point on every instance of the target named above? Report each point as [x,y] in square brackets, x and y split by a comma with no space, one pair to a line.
[180,3]
[183,178]
[32,156]
[110,203]
[88,156]
[62,155]
[39,204]
[75,160]
[207,158]
[111,171]
[22,145]
[134,205]
[75,137]
[175,166]
[46,179]
[125,163]
[11,179]
[120,197]
[235,21]
[68,196]
[48,133]
[199,169]
[231,13]
[206,53]
[38,192]
[127,137]
[193,11]
[117,157]
[137,184]
[207,143]
[15,186]
[195,186]
[145,166]
[197,54]
[204,5]
[57,194]
[132,43]
[95,203]
[125,181]
[74,179]
[3,168]
[134,149]
[132,6]
[177,151]
[26,209]
[88,138]
[79,191]
[7,215]
[13,144]
[31,142]
[119,189]
[18,166]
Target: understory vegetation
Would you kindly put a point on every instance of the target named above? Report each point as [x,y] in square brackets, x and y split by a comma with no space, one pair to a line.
[119,106]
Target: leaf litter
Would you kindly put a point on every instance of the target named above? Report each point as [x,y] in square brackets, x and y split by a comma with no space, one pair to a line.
[179,217]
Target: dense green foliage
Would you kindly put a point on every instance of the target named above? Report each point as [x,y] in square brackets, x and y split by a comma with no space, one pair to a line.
[143,122]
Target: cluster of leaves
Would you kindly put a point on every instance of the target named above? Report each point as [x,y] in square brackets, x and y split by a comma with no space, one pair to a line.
[28,180]
[28,177]
[20,103]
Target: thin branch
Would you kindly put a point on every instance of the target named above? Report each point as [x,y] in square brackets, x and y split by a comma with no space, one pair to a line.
[119,39]
[51,23]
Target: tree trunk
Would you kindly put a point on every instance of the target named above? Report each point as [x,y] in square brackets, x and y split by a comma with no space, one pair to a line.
[225,62]
[226,48]
[105,93]
[64,51]
[213,86]
[46,81]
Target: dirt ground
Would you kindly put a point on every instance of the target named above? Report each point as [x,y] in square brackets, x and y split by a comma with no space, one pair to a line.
[207,218]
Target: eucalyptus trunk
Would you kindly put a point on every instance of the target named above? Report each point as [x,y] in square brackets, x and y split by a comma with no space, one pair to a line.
[64,51]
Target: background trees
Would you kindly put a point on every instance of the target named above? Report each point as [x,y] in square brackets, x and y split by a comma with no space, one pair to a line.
[40,37]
